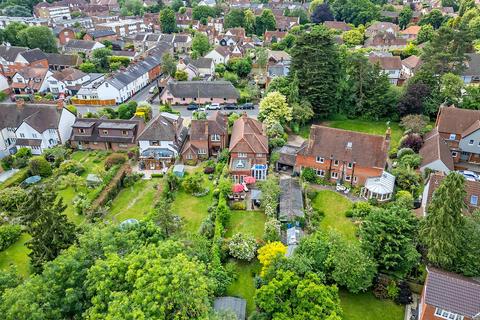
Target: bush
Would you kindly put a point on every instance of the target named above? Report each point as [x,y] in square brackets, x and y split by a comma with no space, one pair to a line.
[156,175]
[359,210]
[392,154]
[7,162]
[411,160]
[240,205]
[272,230]
[404,151]
[193,183]
[9,234]
[413,141]
[242,247]
[309,175]
[380,288]
[415,123]
[39,166]
[71,166]
[312,193]
[114,159]
[209,170]
[404,294]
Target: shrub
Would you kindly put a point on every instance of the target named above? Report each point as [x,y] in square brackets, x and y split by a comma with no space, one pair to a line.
[359,210]
[242,247]
[193,183]
[71,166]
[312,193]
[404,151]
[413,141]
[9,234]
[411,160]
[114,159]
[156,175]
[415,123]
[240,205]
[404,294]
[39,166]
[209,170]
[380,288]
[309,175]
[130,179]
[272,230]
[392,154]
[7,162]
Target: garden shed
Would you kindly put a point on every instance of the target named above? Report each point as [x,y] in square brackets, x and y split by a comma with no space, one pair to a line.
[233,304]
[179,170]
[291,200]
[30,180]
[93,180]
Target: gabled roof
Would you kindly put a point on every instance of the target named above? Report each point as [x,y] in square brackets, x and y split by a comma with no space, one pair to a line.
[412,62]
[164,127]
[38,117]
[69,74]
[96,124]
[216,123]
[202,89]
[368,151]
[80,44]
[435,148]
[248,135]
[33,55]
[414,30]
[452,292]
[101,33]
[387,63]
[202,63]
[455,120]
[10,53]
[337,25]
[472,65]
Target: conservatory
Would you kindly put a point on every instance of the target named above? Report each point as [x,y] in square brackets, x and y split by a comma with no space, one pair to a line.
[380,188]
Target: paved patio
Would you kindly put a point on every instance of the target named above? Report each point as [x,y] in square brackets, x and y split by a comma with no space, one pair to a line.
[7,174]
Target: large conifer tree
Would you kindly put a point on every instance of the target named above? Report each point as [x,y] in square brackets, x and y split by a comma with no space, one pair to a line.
[442,229]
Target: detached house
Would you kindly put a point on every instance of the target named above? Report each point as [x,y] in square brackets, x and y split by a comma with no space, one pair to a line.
[460,128]
[200,92]
[471,74]
[448,295]
[391,66]
[435,153]
[34,127]
[161,140]
[83,46]
[248,149]
[206,137]
[343,156]
[30,80]
[67,82]
[219,55]
[106,134]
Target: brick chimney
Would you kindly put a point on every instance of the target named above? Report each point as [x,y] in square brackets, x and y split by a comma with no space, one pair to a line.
[60,104]
[388,134]
[20,103]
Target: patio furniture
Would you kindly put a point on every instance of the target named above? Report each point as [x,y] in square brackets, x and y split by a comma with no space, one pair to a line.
[237,188]
[245,187]
[249,180]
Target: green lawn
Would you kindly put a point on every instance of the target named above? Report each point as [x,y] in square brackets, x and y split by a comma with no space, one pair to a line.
[135,201]
[364,306]
[244,285]
[371,127]
[193,209]
[16,255]
[247,222]
[334,206]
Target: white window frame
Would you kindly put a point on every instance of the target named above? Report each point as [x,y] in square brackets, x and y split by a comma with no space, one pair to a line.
[202,151]
[319,159]
[474,203]
[348,178]
[453,136]
[242,155]
[444,314]
[350,165]
[320,172]
[471,142]
[355,179]
[454,154]
[336,163]
[334,175]
[215,137]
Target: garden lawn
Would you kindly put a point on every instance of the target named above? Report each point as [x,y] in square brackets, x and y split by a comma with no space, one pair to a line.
[244,285]
[364,306]
[17,255]
[193,209]
[334,206]
[246,222]
[371,127]
[135,201]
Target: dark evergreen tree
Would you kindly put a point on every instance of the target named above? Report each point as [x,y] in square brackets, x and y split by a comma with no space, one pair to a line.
[50,229]
[315,60]
[322,13]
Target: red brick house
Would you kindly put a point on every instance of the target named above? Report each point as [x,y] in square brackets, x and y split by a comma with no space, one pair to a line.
[106,134]
[274,36]
[248,149]
[449,296]
[206,137]
[343,156]
[100,35]
[64,35]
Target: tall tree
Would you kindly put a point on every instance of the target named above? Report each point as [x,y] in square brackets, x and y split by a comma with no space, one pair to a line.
[38,37]
[234,18]
[355,11]
[100,58]
[50,229]
[265,22]
[405,16]
[163,217]
[322,13]
[168,64]
[274,108]
[200,44]
[315,60]
[435,18]
[12,31]
[441,230]
[388,235]
[168,23]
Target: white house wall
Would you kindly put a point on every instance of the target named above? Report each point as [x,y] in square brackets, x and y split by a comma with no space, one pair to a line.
[65,124]
[145,145]
[436,165]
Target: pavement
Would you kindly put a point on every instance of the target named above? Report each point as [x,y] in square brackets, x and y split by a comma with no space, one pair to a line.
[7,174]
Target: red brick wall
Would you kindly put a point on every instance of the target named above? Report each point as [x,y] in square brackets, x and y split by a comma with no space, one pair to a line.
[65,35]
[361,173]
[154,73]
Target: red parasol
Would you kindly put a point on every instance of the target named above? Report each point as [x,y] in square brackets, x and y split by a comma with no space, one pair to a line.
[237,188]
[249,180]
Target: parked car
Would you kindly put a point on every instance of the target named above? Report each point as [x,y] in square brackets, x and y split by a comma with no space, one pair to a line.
[230,106]
[214,106]
[192,107]
[247,106]
[151,90]
[202,109]
[469,175]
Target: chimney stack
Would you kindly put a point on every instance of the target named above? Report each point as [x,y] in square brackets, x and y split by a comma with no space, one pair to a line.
[60,104]
[388,134]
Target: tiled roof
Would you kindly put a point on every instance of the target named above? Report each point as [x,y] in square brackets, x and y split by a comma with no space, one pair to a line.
[164,127]
[368,151]
[412,62]
[411,30]
[38,117]
[202,89]
[337,25]
[10,53]
[456,120]
[104,122]
[101,33]
[387,63]
[63,59]
[452,292]
[69,74]
[33,55]
[217,123]
[80,44]
[248,135]
[435,148]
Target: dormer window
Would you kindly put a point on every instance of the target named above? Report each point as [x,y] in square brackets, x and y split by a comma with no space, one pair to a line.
[105,132]
[215,137]
[471,142]
[125,132]
[81,130]
[453,136]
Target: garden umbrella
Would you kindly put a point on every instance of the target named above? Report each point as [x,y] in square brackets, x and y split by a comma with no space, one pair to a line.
[249,180]
[237,188]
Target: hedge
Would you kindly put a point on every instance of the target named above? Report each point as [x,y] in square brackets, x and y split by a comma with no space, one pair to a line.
[9,234]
